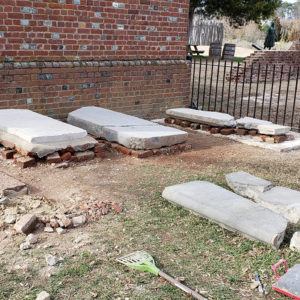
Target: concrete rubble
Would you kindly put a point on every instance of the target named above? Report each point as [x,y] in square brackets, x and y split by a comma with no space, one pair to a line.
[203,117]
[295,242]
[12,187]
[43,296]
[132,132]
[281,200]
[229,210]
[30,132]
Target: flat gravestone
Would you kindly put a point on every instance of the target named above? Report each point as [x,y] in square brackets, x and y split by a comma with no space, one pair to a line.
[283,201]
[247,185]
[229,210]
[251,123]
[132,132]
[203,117]
[273,129]
[33,132]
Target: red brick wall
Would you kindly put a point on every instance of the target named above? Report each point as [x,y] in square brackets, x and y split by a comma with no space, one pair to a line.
[92,29]
[141,88]
[126,55]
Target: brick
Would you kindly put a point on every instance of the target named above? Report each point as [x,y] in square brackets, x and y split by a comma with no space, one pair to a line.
[185,123]
[227,131]
[253,132]
[241,131]
[100,154]
[269,140]
[156,151]
[195,126]
[215,130]
[178,122]
[8,154]
[66,156]
[280,139]
[68,149]
[26,224]
[142,153]
[123,149]
[205,127]
[25,162]
[81,156]
[100,148]
[53,158]
[169,120]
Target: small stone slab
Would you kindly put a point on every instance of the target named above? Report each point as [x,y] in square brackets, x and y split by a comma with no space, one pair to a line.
[295,242]
[203,117]
[10,186]
[26,224]
[247,185]
[283,201]
[273,129]
[229,210]
[132,132]
[251,123]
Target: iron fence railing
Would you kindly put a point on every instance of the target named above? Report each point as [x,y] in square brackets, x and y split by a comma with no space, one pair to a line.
[260,90]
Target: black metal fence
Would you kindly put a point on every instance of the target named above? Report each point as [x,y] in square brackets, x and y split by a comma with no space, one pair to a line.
[263,91]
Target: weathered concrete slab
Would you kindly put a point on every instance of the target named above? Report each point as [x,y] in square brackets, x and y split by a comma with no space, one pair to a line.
[295,242]
[229,210]
[247,185]
[36,128]
[42,135]
[204,117]
[10,186]
[145,137]
[273,129]
[132,132]
[251,123]
[283,201]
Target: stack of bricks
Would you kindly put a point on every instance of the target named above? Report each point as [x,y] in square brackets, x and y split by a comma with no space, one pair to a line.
[25,160]
[286,61]
[128,56]
[228,131]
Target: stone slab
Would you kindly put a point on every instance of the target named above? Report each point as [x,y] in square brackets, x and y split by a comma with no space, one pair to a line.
[251,123]
[145,137]
[289,282]
[10,186]
[36,128]
[295,242]
[132,132]
[229,210]
[273,129]
[283,201]
[203,117]
[247,185]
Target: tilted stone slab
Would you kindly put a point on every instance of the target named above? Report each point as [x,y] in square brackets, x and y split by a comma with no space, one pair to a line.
[229,210]
[251,123]
[39,134]
[10,186]
[203,117]
[273,129]
[283,201]
[132,132]
[247,185]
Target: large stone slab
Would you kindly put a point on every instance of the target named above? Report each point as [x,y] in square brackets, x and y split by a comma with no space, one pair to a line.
[39,134]
[273,129]
[36,128]
[10,186]
[247,185]
[283,201]
[251,123]
[132,132]
[229,210]
[203,117]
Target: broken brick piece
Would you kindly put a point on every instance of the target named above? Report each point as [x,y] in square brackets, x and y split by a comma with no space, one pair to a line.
[123,149]
[253,132]
[85,155]
[241,131]
[66,156]
[177,122]
[195,126]
[280,139]
[227,131]
[156,151]
[26,224]
[168,120]
[53,158]
[68,149]
[25,162]
[99,148]
[185,123]
[100,154]
[215,130]
[142,153]
[205,127]
[8,154]
[73,159]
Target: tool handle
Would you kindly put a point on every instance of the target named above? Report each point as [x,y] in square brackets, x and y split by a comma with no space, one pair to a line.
[181,286]
[274,267]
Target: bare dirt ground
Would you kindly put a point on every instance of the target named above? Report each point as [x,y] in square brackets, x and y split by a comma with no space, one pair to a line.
[216,262]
